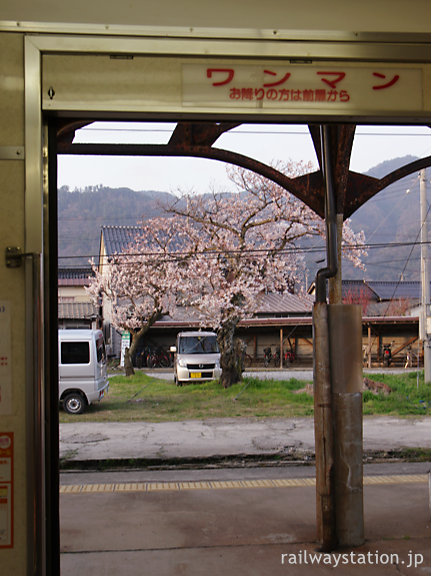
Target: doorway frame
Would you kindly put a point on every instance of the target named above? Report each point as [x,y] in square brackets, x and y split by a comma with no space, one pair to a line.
[43,551]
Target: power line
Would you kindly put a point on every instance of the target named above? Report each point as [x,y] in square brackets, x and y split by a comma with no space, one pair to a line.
[258,251]
[240,132]
[407,261]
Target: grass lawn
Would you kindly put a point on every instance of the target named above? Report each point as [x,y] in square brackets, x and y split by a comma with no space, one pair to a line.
[406,399]
[144,398]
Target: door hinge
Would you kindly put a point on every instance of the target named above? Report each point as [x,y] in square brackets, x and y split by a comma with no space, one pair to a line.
[14,256]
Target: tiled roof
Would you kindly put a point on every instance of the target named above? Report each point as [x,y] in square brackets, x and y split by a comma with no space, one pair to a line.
[76,311]
[182,314]
[356,289]
[285,304]
[117,238]
[381,290]
[396,290]
[271,304]
[74,276]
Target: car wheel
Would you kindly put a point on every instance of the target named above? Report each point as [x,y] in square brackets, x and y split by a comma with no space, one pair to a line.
[74,403]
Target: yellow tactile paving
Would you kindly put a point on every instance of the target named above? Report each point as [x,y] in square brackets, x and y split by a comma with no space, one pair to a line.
[70,489]
[228,484]
[194,485]
[97,487]
[395,479]
[129,487]
[221,484]
[159,486]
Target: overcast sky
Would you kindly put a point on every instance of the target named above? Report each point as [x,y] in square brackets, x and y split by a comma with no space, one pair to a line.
[372,145]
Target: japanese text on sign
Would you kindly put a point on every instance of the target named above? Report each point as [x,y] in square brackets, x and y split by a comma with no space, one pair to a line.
[293,86]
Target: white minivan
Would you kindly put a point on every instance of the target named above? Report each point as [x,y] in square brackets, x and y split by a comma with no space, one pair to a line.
[197,357]
[82,369]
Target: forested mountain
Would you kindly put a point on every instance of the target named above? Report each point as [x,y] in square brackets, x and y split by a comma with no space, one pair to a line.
[82,213]
[393,216]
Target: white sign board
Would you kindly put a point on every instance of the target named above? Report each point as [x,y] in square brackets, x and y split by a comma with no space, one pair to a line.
[258,87]
[125,343]
[328,87]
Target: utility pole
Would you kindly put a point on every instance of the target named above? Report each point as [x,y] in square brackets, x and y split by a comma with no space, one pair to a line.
[425,333]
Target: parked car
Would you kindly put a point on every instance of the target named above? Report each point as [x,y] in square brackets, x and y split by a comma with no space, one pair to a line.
[196,357]
[82,369]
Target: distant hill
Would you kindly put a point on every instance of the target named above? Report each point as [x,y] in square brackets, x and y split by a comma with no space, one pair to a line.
[392,216]
[81,214]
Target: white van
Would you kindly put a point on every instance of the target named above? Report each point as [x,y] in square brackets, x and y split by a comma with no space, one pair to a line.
[197,357]
[82,369]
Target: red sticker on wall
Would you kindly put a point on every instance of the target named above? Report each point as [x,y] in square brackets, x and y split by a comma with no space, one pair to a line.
[6,489]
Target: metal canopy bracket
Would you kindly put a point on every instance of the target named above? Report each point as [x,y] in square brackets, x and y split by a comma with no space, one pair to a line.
[196,139]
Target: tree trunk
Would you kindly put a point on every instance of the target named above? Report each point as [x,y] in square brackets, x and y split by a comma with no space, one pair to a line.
[231,364]
[129,369]
[129,352]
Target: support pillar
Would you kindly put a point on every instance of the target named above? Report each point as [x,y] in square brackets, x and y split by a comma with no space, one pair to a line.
[337,374]
[325,512]
[425,331]
[338,424]
[345,329]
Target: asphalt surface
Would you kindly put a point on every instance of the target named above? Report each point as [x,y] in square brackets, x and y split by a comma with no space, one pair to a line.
[200,440]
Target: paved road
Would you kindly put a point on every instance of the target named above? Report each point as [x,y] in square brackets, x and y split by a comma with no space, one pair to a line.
[227,437]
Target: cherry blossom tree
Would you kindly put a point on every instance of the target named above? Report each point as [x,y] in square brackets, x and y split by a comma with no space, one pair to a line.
[140,283]
[216,253]
[245,245]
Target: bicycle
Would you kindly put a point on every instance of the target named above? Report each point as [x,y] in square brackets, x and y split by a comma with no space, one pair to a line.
[158,359]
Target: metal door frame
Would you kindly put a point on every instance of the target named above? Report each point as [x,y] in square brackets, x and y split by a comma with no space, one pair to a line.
[40,232]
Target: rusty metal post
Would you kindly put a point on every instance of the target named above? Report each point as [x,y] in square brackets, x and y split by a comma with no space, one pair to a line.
[325,511]
[345,329]
[335,283]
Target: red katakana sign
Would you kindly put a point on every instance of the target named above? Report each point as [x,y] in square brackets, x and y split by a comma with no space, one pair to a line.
[362,87]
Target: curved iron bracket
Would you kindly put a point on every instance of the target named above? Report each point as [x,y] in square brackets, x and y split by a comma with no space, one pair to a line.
[196,139]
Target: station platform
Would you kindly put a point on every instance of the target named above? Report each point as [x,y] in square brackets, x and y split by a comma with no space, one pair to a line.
[235,523]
